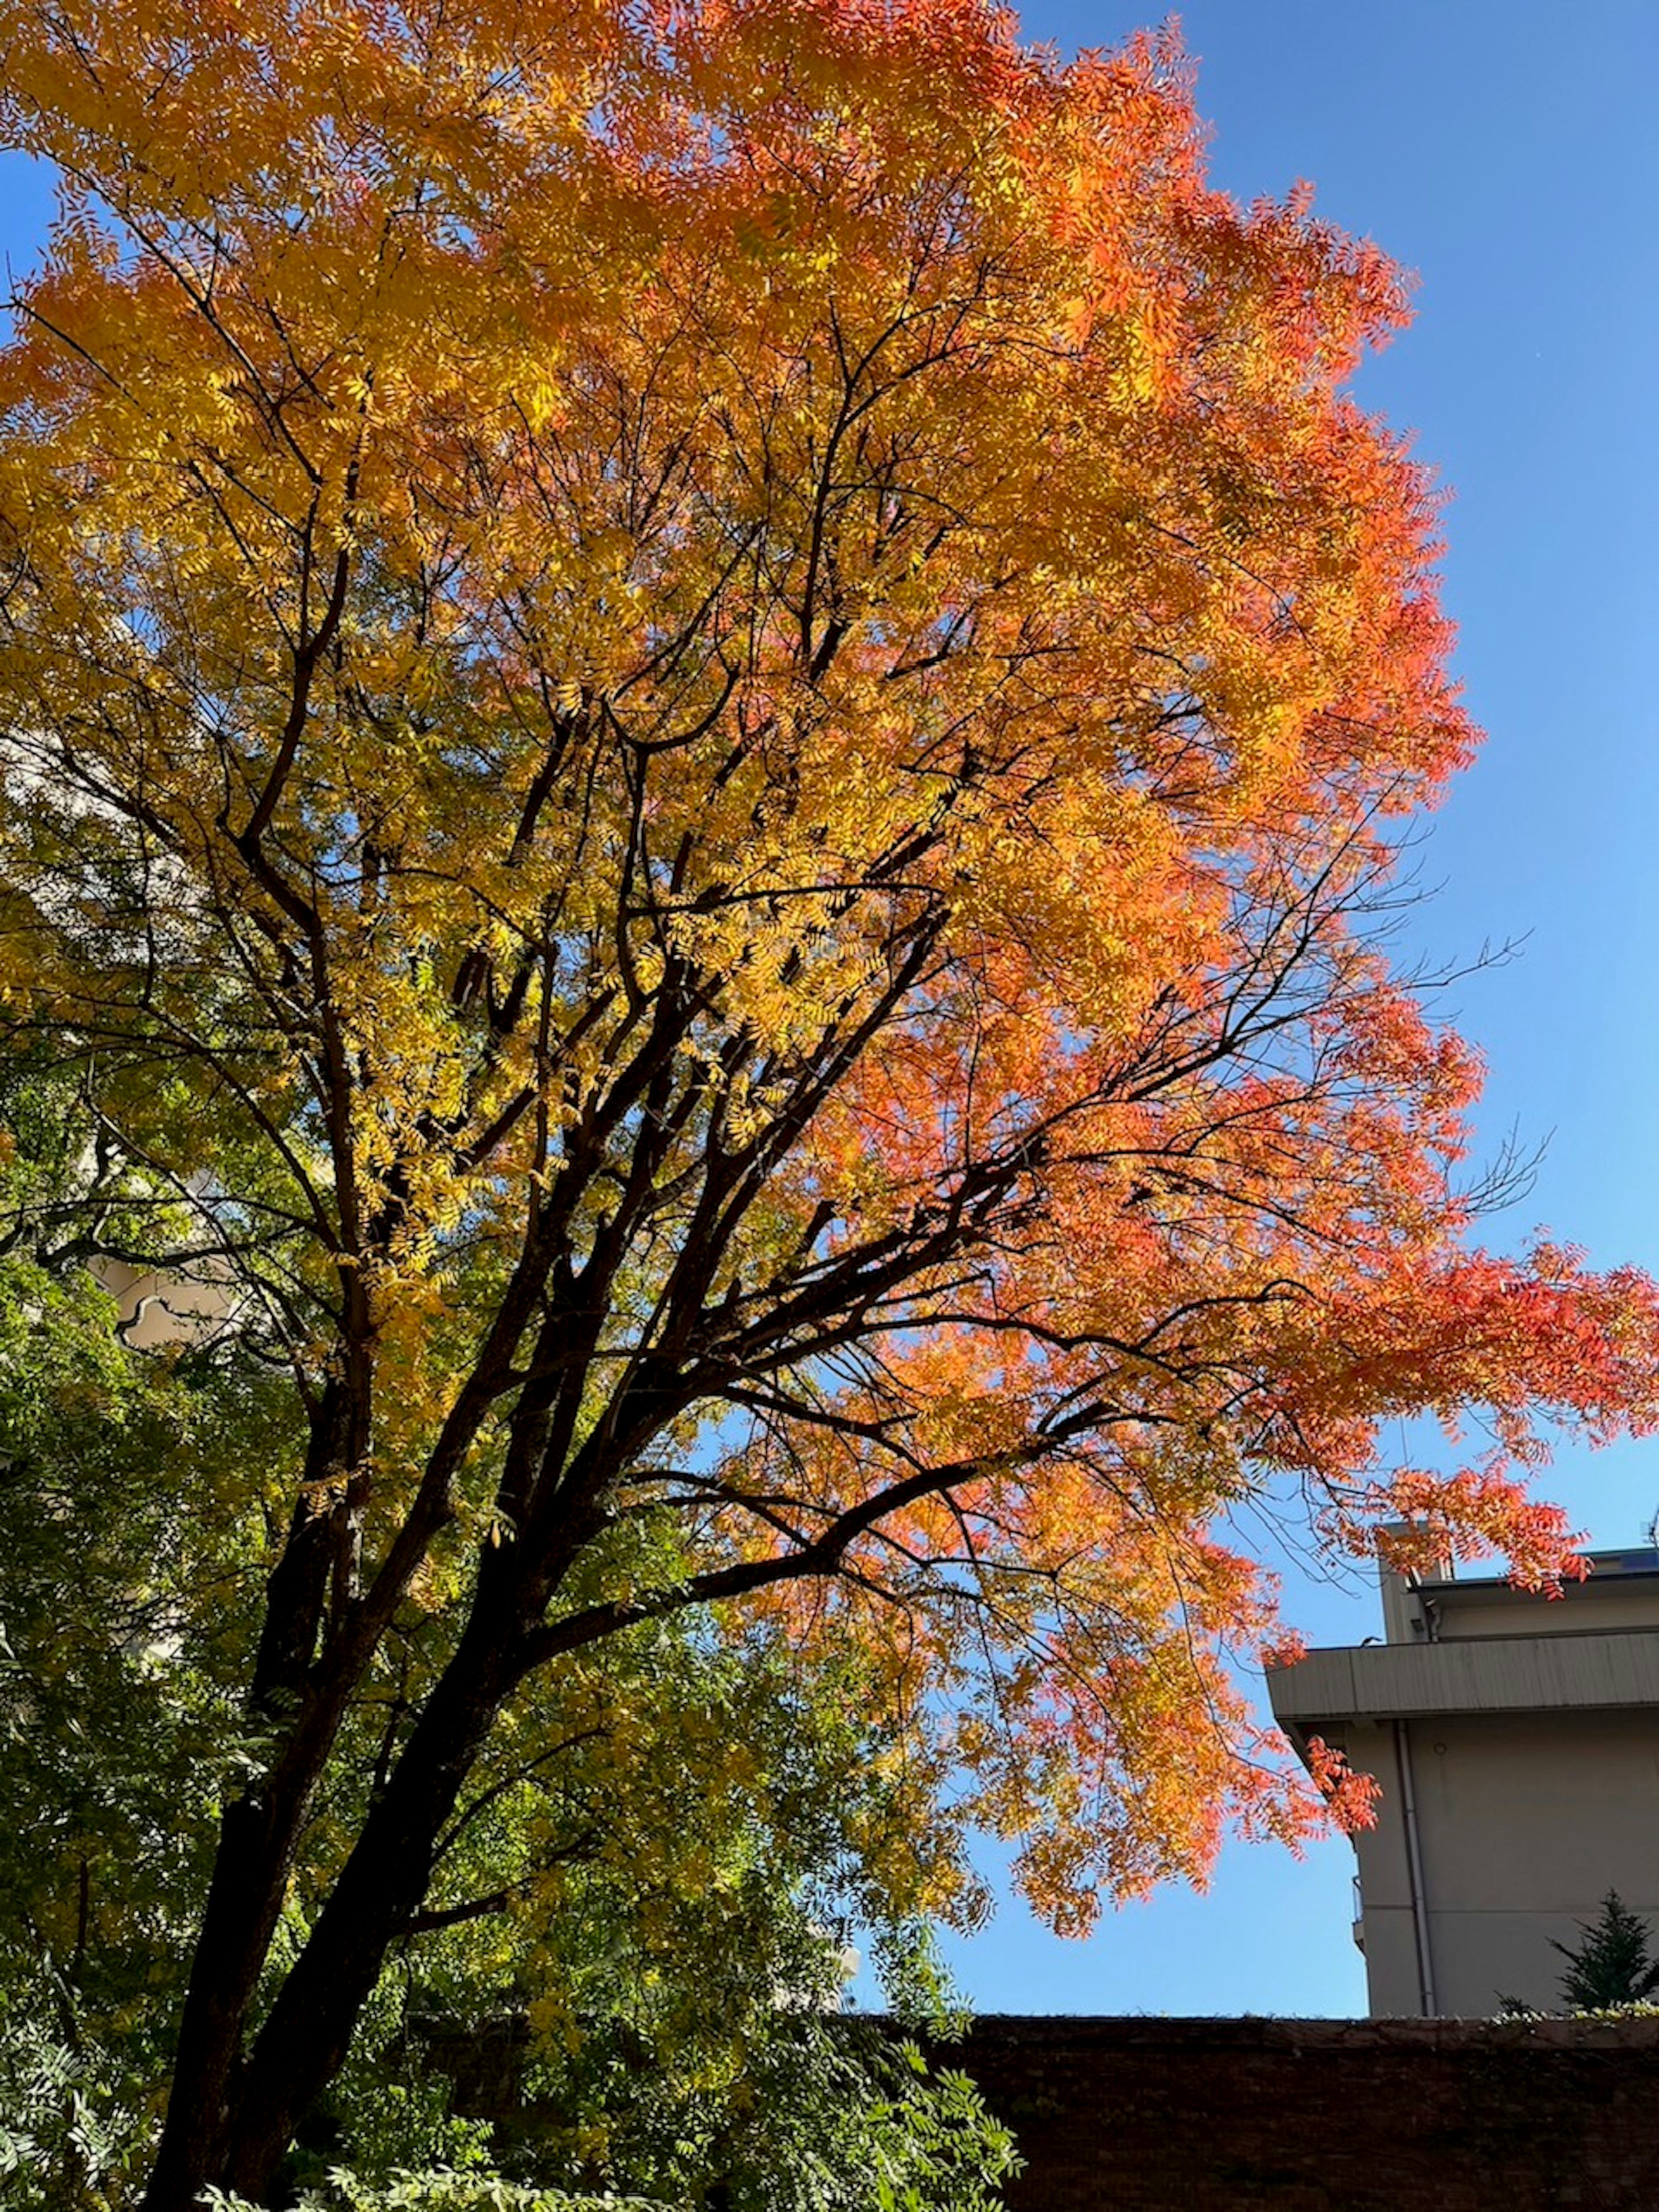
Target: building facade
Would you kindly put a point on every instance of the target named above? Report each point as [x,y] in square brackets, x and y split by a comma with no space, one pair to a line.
[1517,1741]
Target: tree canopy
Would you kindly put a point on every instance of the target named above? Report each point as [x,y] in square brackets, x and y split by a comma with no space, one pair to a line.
[705,713]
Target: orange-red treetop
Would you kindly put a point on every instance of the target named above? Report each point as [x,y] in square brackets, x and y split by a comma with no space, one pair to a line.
[753,680]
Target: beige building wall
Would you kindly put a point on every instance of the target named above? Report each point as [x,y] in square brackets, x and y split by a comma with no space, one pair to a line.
[159,1309]
[1517,1743]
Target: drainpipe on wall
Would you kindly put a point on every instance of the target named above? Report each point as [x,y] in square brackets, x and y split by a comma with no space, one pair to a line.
[1402,1752]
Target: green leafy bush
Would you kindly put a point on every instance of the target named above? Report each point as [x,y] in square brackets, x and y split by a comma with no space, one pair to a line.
[72,2131]
[441,2190]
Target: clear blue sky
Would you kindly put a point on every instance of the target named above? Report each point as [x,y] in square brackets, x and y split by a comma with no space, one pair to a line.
[1501,149]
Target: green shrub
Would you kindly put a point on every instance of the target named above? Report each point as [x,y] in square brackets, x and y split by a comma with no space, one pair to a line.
[439,2191]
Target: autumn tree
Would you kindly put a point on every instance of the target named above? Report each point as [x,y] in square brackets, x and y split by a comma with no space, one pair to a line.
[703,707]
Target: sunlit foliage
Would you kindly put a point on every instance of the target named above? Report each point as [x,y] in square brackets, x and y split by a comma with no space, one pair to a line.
[703,706]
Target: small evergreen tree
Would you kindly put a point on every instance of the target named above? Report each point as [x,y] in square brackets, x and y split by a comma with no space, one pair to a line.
[1612,1966]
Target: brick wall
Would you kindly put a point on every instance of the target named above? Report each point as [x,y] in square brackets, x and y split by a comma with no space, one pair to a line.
[1141,2115]
[1324,2116]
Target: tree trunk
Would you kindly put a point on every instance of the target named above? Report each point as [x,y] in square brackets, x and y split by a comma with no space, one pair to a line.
[244,1901]
[232,2118]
